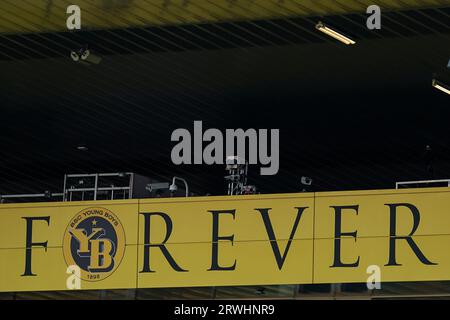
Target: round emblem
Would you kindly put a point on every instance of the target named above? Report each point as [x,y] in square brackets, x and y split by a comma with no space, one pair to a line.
[94,241]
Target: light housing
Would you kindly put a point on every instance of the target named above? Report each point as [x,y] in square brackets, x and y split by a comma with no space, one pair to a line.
[173,187]
[333,33]
[440,86]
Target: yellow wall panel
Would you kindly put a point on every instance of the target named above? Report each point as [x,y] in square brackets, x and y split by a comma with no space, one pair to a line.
[373,217]
[255,264]
[108,240]
[13,226]
[375,251]
[192,218]
[48,266]
[50,271]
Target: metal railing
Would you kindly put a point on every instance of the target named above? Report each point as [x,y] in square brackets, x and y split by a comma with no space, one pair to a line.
[422,183]
[98,183]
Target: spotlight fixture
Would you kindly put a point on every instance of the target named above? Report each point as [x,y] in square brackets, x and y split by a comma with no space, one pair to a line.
[82,148]
[441,86]
[337,35]
[173,187]
[306,183]
[85,56]
[157,186]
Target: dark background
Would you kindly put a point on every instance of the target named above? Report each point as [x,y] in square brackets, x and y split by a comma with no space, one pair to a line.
[350,117]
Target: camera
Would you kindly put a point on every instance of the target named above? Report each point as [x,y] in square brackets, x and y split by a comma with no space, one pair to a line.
[306,181]
[173,187]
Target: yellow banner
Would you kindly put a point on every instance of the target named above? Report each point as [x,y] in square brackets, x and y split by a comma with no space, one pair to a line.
[329,237]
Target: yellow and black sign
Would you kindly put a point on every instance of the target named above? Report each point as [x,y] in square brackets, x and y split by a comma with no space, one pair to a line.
[95,242]
[330,237]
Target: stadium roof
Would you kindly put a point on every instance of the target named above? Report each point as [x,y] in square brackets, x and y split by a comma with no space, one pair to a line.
[24,16]
[350,117]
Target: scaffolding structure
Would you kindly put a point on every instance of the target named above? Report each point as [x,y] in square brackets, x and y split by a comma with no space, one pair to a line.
[237,169]
[98,186]
[105,186]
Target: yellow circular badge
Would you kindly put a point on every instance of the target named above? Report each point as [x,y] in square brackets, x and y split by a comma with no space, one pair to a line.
[95,242]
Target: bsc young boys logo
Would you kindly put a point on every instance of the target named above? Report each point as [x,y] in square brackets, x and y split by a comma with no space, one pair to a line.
[95,241]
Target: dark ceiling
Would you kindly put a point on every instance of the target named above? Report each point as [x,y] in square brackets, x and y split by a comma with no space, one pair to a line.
[351,117]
